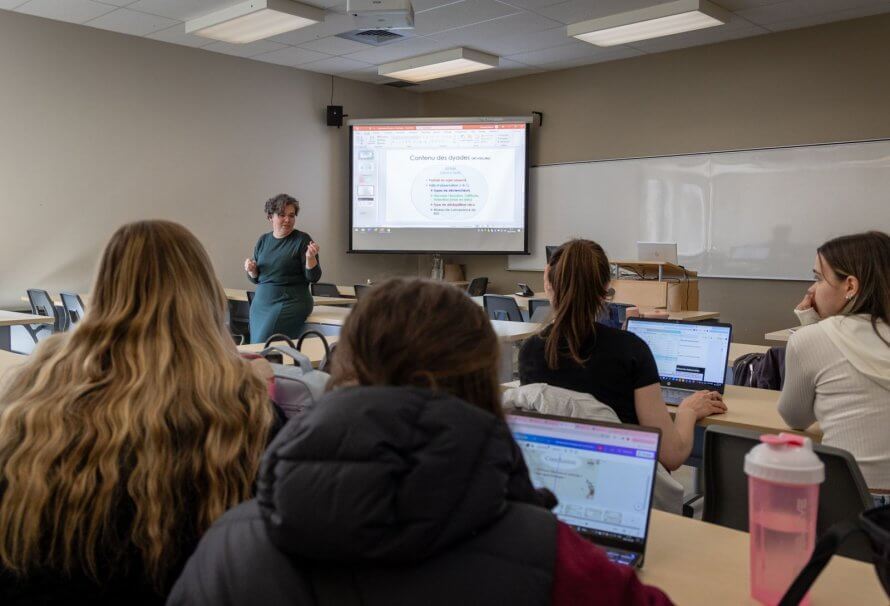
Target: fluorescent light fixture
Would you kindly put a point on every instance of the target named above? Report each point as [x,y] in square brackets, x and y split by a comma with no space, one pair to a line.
[652,22]
[438,65]
[254,20]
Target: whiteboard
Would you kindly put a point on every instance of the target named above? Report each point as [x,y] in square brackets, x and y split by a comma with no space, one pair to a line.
[740,214]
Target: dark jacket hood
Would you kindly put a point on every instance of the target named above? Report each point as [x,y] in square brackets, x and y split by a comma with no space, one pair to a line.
[388,475]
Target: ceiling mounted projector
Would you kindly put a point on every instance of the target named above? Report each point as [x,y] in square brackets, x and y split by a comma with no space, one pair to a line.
[382,14]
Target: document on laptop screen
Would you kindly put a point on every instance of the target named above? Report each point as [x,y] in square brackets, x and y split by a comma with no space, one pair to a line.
[686,352]
[602,476]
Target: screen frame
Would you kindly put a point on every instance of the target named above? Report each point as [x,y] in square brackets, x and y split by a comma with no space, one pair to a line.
[588,533]
[690,385]
[527,120]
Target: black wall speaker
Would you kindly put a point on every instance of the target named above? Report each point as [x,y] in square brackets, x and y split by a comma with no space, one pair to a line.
[335,115]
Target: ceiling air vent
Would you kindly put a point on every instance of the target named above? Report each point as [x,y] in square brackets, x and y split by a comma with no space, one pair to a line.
[374,37]
[401,84]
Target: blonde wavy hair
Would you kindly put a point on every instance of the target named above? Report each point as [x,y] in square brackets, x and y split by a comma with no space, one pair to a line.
[144,411]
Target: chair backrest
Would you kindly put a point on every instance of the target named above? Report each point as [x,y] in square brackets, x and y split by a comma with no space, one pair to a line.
[500,307]
[42,305]
[538,310]
[477,287]
[360,290]
[323,289]
[843,495]
[73,305]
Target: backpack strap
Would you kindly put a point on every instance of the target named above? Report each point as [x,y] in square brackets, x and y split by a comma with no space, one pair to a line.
[324,342]
[825,548]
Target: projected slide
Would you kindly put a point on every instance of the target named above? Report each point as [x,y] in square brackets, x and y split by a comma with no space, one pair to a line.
[439,187]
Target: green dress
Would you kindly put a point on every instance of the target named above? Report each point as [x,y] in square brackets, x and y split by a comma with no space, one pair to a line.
[282,301]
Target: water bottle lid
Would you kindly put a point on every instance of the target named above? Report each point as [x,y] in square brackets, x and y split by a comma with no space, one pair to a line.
[786,458]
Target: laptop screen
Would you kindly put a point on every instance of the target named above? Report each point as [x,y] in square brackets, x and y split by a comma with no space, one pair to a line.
[602,473]
[688,354]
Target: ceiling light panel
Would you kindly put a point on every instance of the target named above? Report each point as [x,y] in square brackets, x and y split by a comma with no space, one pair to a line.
[652,22]
[254,20]
[442,64]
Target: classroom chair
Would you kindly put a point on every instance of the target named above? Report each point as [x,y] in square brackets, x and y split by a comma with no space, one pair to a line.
[477,287]
[360,290]
[538,310]
[323,289]
[73,306]
[843,495]
[238,318]
[42,305]
[500,307]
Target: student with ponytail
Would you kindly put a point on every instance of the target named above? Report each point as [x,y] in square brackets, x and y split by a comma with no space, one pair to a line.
[576,352]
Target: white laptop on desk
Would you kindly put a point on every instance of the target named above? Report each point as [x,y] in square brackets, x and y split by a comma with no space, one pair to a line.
[602,474]
[690,355]
[657,251]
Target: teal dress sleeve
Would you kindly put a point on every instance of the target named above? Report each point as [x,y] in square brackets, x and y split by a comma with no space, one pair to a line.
[282,301]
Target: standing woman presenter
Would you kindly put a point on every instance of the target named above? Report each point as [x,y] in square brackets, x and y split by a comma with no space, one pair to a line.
[284,263]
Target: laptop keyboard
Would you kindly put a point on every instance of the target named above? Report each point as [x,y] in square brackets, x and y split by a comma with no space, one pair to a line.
[621,557]
[672,395]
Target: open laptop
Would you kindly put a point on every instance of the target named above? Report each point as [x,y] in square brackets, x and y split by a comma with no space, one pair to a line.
[690,355]
[602,473]
[657,251]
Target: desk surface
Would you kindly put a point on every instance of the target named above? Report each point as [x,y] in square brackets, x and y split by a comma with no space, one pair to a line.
[506,331]
[14,318]
[687,315]
[780,335]
[694,562]
[312,347]
[756,409]
[239,294]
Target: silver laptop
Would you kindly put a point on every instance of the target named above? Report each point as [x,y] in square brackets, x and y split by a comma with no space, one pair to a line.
[603,475]
[690,355]
[657,251]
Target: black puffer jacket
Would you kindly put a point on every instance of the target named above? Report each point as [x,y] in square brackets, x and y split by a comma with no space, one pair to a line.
[382,496]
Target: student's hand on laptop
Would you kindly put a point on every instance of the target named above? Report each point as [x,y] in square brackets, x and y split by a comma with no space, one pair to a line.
[704,403]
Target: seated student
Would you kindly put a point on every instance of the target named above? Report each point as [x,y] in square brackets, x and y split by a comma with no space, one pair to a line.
[837,371]
[403,485]
[576,352]
[123,440]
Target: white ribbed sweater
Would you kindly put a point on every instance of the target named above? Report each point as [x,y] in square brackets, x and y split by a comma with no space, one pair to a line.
[852,410]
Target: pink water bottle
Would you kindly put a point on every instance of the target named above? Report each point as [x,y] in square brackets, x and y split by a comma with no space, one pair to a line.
[783,499]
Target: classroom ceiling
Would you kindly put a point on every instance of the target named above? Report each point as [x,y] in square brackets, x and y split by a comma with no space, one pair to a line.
[528,35]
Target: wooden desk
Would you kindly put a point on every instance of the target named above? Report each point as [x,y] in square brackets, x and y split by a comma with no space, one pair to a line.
[312,347]
[238,294]
[506,331]
[14,318]
[755,409]
[737,350]
[780,335]
[687,315]
[510,332]
[694,563]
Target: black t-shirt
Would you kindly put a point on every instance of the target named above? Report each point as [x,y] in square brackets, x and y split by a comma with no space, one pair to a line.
[618,362]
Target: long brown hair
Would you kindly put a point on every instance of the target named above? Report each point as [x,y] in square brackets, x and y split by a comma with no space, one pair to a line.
[420,333]
[579,279]
[136,429]
[866,257]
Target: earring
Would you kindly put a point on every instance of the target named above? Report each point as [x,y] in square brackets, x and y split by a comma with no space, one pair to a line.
[849,296]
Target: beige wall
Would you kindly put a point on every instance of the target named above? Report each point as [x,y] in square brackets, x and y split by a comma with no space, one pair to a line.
[821,84]
[98,128]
